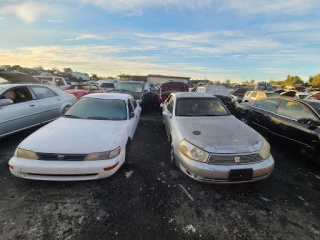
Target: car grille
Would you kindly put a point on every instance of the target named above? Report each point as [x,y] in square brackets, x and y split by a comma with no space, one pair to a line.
[223,159]
[58,157]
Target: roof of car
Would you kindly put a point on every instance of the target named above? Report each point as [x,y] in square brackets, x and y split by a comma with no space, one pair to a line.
[120,96]
[192,94]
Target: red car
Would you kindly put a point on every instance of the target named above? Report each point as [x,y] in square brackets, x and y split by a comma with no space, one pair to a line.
[83,89]
[169,87]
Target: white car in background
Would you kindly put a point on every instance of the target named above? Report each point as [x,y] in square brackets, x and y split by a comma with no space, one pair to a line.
[24,106]
[89,142]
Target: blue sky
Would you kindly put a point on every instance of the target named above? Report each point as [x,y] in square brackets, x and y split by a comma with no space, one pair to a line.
[216,39]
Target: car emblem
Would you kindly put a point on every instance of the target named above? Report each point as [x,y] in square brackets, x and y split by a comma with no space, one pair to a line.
[61,157]
[237,159]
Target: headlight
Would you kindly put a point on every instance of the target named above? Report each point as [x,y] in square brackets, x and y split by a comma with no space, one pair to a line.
[103,155]
[193,152]
[21,153]
[265,150]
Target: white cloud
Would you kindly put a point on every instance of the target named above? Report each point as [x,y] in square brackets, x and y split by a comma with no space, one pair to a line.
[55,20]
[32,11]
[290,26]
[101,59]
[86,37]
[2,18]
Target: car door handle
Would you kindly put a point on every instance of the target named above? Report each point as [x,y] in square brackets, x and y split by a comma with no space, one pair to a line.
[32,105]
[58,99]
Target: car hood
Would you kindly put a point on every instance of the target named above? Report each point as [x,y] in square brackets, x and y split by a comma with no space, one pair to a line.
[75,136]
[135,95]
[223,134]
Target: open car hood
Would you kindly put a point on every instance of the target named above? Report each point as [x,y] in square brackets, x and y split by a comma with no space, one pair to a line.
[219,90]
[16,78]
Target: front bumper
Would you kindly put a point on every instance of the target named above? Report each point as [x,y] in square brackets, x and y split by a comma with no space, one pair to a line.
[210,173]
[65,170]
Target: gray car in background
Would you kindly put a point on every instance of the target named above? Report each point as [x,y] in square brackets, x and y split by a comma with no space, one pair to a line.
[210,145]
[23,106]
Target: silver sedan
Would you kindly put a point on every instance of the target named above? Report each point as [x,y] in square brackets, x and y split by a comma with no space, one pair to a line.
[26,105]
[210,145]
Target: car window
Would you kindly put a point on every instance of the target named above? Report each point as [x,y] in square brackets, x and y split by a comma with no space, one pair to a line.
[200,107]
[98,109]
[170,106]
[202,90]
[130,106]
[253,94]
[134,103]
[59,82]
[18,95]
[107,85]
[266,104]
[247,94]
[261,95]
[128,86]
[295,110]
[94,87]
[43,92]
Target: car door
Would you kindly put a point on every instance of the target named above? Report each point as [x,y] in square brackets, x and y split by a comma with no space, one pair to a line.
[48,101]
[286,126]
[260,114]
[22,114]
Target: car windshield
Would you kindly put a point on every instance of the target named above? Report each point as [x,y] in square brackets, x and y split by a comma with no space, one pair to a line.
[200,107]
[107,85]
[272,94]
[132,87]
[98,109]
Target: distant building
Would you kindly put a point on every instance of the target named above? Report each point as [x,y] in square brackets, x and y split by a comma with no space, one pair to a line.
[158,79]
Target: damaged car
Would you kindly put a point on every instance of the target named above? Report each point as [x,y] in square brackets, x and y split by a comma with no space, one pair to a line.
[210,145]
[88,142]
[169,87]
[221,92]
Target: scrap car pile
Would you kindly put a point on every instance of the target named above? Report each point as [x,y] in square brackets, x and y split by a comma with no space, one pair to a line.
[216,135]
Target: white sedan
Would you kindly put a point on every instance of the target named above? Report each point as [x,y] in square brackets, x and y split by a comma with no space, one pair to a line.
[89,142]
[24,106]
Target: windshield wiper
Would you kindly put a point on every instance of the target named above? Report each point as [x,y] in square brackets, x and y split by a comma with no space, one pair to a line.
[101,118]
[70,116]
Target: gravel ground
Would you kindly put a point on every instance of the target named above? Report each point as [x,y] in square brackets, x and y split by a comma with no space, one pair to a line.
[149,199]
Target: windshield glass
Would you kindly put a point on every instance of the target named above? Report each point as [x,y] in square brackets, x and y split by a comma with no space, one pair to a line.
[272,94]
[98,109]
[132,87]
[200,107]
[107,85]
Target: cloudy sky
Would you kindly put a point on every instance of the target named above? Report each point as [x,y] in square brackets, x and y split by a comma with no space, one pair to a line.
[216,39]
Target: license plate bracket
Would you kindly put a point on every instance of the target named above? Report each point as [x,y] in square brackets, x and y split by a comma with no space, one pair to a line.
[240,175]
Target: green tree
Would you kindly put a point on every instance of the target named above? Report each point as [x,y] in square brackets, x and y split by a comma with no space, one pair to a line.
[252,81]
[315,80]
[228,81]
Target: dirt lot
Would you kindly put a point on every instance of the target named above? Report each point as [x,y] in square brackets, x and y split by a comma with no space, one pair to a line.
[149,199]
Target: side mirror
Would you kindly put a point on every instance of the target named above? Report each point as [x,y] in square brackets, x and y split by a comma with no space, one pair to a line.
[167,113]
[5,102]
[132,115]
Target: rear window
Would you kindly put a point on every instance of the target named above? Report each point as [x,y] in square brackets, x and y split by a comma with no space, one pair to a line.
[107,85]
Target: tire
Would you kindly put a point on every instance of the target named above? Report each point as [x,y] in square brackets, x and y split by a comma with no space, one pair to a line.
[172,157]
[127,149]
